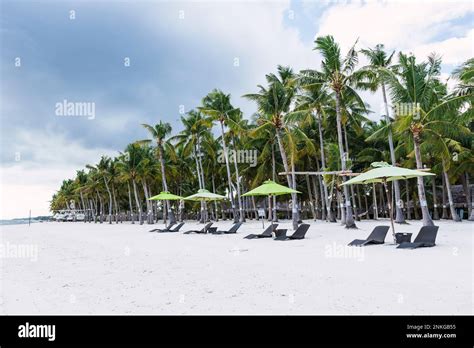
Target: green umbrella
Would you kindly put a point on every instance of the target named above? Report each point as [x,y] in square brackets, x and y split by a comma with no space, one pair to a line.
[383,172]
[204,195]
[270,188]
[165,196]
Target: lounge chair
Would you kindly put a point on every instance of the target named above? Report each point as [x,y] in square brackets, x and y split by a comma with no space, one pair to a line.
[265,234]
[298,234]
[176,229]
[377,236]
[425,238]
[233,229]
[163,229]
[203,230]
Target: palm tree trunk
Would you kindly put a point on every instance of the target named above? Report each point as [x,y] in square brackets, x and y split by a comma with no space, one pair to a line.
[239,198]
[415,206]
[382,201]
[427,221]
[435,204]
[84,205]
[407,192]
[214,190]
[349,219]
[204,204]
[115,204]
[321,195]
[110,200]
[101,207]
[130,202]
[445,214]
[288,178]
[274,207]
[376,209]
[310,196]
[366,205]
[320,209]
[165,183]
[342,212]
[137,201]
[346,142]
[399,218]
[198,169]
[148,209]
[329,215]
[359,202]
[454,215]
[295,209]
[229,179]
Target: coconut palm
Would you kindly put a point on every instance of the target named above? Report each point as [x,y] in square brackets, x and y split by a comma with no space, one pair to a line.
[375,72]
[273,103]
[314,100]
[418,93]
[196,130]
[217,105]
[159,132]
[337,74]
[103,170]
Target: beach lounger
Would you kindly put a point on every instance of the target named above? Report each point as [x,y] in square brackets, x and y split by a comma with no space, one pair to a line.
[265,234]
[163,229]
[203,230]
[176,229]
[425,238]
[298,234]
[377,236]
[233,229]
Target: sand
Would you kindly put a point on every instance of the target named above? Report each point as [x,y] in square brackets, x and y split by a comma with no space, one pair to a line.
[87,268]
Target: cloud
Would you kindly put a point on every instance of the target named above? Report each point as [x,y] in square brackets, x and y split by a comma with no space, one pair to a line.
[400,25]
[454,50]
[43,161]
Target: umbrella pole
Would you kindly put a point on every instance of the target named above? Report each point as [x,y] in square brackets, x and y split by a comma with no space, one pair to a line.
[389,202]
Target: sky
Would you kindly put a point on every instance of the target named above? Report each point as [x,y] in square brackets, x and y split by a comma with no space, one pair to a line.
[143,61]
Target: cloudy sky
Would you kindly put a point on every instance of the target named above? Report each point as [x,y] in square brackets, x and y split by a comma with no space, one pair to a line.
[177,52]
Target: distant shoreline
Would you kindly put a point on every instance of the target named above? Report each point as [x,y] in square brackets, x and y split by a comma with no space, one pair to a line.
[21,221]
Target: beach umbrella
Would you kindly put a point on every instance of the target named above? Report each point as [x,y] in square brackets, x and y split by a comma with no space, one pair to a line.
[270,188]
[383,173]
[165,196]
[204,195]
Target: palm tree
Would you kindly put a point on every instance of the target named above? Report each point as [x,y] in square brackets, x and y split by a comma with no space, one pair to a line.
[314,100]
[196,129]
[417,90]
[103,170]
[338,74]
[159,132]
[217,105]
[129,167]
[376,75]
[273,103]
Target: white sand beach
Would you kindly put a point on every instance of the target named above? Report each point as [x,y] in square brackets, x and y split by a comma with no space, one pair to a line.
[86,268]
